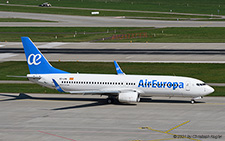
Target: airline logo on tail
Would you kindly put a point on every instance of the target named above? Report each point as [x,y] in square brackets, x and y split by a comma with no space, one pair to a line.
[33,59]
[37,63]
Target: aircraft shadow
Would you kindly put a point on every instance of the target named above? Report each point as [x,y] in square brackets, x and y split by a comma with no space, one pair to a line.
[97,101]
[166,101]
[25,96]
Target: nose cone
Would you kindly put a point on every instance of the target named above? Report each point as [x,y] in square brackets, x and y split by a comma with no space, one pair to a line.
[209,90]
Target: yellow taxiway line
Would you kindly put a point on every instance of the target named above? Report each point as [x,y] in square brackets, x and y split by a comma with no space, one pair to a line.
[177,126]
[167,132]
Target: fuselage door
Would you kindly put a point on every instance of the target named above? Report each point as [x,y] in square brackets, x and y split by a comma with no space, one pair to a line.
[188,86]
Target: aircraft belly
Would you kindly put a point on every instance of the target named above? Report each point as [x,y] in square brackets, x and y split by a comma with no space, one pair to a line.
[161,92]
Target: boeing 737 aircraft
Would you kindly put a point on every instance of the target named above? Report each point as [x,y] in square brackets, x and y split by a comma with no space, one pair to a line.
[122,87]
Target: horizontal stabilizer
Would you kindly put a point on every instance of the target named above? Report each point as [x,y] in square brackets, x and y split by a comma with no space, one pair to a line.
[16,76]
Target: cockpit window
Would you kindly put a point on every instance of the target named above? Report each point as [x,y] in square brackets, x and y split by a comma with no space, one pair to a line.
[200,84]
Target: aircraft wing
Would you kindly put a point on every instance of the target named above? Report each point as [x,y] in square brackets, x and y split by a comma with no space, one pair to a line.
[28,76]
[95,92]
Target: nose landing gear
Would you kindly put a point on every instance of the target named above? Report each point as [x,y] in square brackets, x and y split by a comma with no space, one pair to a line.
[193,99]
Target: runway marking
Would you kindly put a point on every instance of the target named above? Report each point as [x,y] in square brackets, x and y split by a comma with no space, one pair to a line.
[56,135]
[205,25]
[177,126]
[167,132]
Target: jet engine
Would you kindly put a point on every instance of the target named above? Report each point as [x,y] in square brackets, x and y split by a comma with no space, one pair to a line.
[128,97]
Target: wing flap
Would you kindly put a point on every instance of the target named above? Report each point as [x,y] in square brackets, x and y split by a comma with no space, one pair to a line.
[15,76]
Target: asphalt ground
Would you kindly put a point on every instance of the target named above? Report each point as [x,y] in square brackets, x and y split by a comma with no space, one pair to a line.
[90,21]
[89,118]
[122,52]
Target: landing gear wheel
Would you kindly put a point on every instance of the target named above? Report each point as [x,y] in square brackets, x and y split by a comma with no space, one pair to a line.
[109,100]
[192,101]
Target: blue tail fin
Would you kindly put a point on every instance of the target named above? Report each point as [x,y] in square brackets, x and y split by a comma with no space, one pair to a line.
[36,61]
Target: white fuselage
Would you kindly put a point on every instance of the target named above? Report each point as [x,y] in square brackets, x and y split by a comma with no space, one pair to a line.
[145,85]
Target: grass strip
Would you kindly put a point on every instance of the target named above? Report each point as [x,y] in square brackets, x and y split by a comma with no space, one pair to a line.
[21,20]
[182,6]
[96,34]
[219,91]
[52,10]
[177,19]
[209,73]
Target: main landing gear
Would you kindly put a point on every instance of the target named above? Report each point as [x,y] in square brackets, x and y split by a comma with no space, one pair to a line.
[109,100]
[112,99]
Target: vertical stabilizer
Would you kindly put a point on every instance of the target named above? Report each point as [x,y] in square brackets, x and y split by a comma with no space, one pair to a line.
[36,61]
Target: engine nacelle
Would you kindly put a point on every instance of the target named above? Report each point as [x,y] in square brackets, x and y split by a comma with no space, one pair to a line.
[128,97]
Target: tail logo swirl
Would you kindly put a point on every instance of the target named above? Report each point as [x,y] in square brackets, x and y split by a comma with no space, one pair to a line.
[33,59]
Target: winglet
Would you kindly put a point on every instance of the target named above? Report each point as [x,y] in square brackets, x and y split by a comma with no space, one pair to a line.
[57,86]
[118,69]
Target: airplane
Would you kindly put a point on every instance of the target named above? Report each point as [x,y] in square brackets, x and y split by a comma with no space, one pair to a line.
[120,87]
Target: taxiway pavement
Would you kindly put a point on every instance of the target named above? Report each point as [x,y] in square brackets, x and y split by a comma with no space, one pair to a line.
[122,52]
[88,118]
[93,21]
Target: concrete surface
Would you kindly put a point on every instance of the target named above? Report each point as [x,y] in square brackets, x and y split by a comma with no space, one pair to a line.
[61,117]
[89,21]
[176,58]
